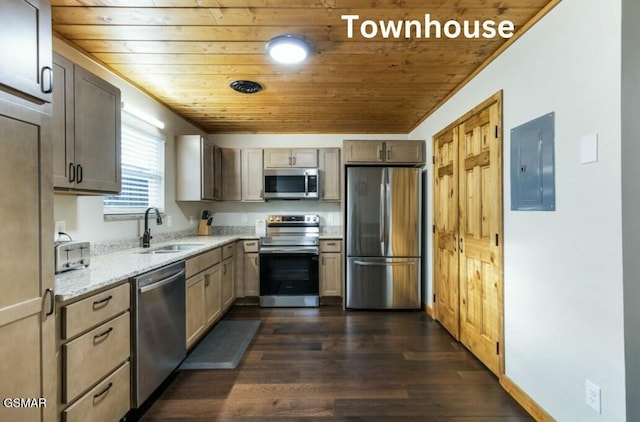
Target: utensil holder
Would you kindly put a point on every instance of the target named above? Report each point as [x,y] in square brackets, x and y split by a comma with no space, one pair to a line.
[203,228]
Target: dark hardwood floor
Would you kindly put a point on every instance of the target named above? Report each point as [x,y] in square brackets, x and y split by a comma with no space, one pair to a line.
[328,364]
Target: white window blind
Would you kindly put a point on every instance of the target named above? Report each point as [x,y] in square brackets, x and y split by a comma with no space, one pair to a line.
[142,162]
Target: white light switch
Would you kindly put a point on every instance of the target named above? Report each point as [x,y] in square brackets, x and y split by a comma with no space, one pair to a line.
[589,149]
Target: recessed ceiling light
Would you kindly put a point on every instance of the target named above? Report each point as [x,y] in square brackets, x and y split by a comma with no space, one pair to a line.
[246,87]
[288,49]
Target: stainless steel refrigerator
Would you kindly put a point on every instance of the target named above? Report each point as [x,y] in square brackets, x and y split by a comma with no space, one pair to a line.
[383,228]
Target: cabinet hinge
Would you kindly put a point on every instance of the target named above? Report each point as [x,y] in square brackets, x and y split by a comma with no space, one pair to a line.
[434,228]
[497,347]
[434,298]
[434,159]
[497,239]
[496,131]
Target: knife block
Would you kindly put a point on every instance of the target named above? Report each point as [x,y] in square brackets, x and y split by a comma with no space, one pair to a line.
[203,228]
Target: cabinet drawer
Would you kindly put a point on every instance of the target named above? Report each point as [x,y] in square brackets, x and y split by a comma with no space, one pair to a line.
[106,402]
[331,245]
[228,249]
[93,355]
[84,314]
[202,262]
[251,246]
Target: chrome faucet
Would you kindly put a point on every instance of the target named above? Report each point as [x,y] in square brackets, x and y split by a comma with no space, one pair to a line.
[146,237]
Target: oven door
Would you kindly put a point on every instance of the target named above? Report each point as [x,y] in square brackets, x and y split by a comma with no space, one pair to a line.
[289,276]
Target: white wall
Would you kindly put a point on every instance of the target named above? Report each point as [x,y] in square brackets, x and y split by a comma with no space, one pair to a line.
[84,214]
[563,290]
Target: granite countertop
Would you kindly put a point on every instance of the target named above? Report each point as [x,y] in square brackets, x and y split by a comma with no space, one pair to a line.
[109,269]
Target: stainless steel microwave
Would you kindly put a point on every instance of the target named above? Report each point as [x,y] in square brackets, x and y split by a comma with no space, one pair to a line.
[291,184]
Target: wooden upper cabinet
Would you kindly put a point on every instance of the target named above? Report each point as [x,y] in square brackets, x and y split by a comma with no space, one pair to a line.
[363,151]
[97,133]
[25,41]
[404,152]
[284,158]
[252,175]
[392,152]
[330,171]
[63,123]
[231,174]
[195,168]
[207,163]
[307,157]
[86,130]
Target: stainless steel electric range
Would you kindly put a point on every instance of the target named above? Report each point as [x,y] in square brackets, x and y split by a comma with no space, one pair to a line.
[289,261]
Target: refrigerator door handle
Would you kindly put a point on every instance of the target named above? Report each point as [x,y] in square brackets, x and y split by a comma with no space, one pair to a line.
[383,263]
[383,217]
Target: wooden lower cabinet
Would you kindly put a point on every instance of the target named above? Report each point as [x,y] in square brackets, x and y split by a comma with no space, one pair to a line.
[95,351]
[228,283]
[27,326]
[205,290]
[195,299]
[107,401]
[252,274]
[330,272]
[213,294]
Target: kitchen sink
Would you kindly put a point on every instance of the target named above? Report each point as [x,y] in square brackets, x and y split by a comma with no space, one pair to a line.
[174,248]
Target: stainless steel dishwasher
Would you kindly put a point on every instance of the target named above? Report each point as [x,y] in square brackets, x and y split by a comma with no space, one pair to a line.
[159,338]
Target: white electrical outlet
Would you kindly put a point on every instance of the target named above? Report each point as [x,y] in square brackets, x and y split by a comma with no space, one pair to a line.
[60,226]
[330,218]
[592,395]
[169,221]
[192,221]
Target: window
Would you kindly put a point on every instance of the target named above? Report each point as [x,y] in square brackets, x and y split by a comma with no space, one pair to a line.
[142,150]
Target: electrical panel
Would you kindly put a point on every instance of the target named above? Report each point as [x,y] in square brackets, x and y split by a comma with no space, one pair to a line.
[532,165]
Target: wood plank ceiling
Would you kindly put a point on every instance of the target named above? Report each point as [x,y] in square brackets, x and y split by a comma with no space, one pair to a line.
[186,53]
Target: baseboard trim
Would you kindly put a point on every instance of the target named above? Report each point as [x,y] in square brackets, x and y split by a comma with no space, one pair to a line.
[428,309]
[523,399]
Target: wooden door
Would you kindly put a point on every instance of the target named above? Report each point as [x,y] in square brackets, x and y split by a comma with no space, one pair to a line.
[480,234]
[27,327]
[445,234]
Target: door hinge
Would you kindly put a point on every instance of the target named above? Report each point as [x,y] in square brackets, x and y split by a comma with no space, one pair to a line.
[497,239]
[496,131]
[497,347]
[434,298]
[433,228]
[434,159]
